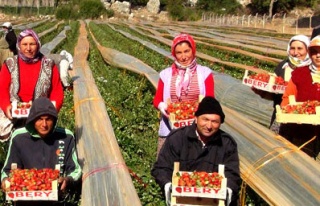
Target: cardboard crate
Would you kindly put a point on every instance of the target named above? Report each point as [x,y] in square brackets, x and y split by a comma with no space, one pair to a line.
[297,118]
[39,195]
[264,86]
[174,123]
[20,109]
[201,196]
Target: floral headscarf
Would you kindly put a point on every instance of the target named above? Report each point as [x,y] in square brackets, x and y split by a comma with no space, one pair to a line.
[38,55]
[184,73]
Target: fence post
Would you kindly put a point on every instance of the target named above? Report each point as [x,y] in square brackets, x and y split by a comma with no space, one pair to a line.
[242,20]
[249,20]
[297,24]
[310,22]
[255,20]
[264,21]
[283,22]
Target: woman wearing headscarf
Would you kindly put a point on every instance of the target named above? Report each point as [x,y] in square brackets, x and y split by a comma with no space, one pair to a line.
[25,77]
[297,51]
[305,86]
[185,80]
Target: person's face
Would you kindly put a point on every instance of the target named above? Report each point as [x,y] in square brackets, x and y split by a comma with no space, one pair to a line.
[298,49]
[44,125]
[183,52]
[28,46]
[208,124]
[314,53]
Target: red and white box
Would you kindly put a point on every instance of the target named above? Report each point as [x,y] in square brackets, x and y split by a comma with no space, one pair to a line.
[311,114]
[181,114]
[264,82]
[21,109]
[38,195]
[191,195]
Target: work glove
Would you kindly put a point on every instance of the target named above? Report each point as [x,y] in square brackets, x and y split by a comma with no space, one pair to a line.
[163,109]
[167,192]
[229,196]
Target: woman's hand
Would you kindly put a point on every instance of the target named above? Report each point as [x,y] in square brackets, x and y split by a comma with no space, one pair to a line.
[8,112]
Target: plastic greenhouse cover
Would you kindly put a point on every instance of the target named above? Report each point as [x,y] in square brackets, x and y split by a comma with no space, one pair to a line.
[277,170]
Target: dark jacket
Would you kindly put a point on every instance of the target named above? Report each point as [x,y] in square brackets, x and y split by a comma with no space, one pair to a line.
[29,150]
[11,38]
[182,145]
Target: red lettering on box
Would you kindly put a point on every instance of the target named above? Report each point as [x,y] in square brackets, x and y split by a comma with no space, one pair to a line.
[196,190]
[29,194]
[19,194]
[187,189]
[38,194]
[47,193]
[206,190]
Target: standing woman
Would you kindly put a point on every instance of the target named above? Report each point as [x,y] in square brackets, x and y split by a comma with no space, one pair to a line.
[298,56]
[304,88]
[185,80]
[25,77]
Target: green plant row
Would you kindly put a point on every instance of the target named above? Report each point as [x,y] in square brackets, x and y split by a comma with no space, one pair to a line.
[128,98]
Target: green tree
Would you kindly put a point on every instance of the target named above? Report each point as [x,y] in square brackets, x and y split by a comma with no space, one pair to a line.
[219,6]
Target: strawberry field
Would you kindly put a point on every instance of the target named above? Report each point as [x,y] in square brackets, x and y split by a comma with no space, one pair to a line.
[128,96]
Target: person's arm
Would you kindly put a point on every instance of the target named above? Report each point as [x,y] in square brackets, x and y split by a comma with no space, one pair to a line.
[209,82]
[72,167]
[291,89]
[163,168]
[5,79]
[232,170]
[56,93]
[12,157]
[158,97]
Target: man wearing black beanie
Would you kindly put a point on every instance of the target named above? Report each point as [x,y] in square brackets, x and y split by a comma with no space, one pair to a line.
[200,147]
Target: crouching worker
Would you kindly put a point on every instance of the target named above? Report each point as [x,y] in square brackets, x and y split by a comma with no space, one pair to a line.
[40,144]
[64,62]
[200,147]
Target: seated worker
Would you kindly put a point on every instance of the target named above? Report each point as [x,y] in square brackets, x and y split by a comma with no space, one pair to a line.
[201,146]
[64,62]
[36,146]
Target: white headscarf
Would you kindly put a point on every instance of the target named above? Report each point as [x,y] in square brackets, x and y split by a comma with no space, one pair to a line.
[294,61]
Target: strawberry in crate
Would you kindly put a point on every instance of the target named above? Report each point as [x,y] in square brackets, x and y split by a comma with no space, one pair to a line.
[200,179]
[183,110]
[307,107]
[32,179]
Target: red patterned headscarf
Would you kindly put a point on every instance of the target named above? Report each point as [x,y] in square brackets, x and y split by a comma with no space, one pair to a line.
[183,37]
[184,73]
[23,34]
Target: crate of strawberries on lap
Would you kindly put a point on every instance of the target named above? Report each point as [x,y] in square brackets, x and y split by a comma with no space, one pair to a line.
[32,184]
[198,187]
[268,82]
[182,113]
[307,112]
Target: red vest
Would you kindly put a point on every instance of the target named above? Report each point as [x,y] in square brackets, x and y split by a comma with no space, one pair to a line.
[306,90]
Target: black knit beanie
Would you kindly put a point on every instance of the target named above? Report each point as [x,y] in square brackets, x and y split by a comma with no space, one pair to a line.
[210,105]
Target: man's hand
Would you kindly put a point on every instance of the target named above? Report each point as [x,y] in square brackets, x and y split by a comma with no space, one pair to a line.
[64,181]
[5,184]
[167,191]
